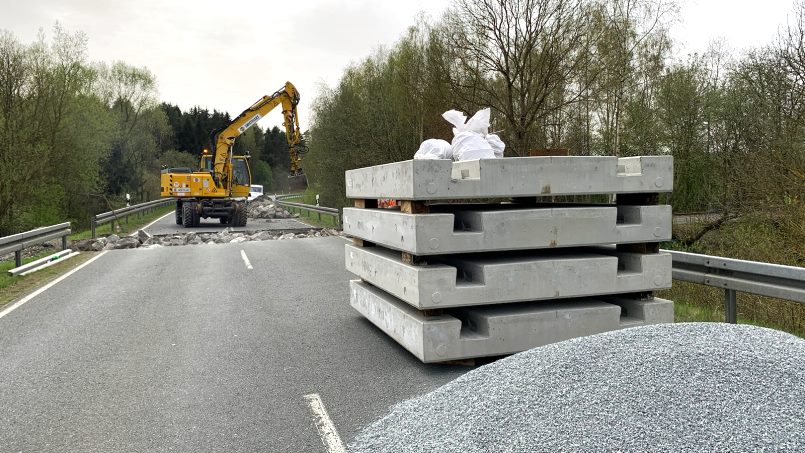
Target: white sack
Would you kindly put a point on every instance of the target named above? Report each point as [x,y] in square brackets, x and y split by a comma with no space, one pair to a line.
[471,146]
[470,139]
[434,148]
[457,119]
[497,144]
[479,123]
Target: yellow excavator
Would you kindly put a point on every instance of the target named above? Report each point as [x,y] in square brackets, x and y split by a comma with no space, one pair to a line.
[220,188]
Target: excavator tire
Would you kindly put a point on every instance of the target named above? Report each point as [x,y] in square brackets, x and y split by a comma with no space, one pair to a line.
[189,215]
[178,214]
[239,217]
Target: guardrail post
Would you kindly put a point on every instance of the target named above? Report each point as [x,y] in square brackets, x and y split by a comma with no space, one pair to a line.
[93,226]
[18,258]
[64,242]
[731,306]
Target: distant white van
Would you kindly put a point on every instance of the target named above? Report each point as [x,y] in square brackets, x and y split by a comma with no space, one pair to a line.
[255,191]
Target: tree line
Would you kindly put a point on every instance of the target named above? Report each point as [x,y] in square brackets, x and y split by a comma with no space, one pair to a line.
[76,136]
[595,77]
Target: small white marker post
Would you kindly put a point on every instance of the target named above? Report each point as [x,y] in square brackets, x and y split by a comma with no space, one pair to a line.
[329,436]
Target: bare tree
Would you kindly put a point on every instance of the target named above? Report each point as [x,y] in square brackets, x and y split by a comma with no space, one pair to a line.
[516,56]
[630,54]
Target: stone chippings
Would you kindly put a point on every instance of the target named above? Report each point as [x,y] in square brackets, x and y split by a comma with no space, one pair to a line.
[667,387]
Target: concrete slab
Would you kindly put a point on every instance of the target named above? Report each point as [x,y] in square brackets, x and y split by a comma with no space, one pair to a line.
[511,177]
[498,329]
[483,279]
[475,230]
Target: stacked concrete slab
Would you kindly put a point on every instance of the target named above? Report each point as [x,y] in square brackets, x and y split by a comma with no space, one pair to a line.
[479,260]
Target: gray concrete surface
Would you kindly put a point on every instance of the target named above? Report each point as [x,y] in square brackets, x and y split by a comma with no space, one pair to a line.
[468,229]
[471,332]
[478,279]
[185,349]
[167,225]
[511,177]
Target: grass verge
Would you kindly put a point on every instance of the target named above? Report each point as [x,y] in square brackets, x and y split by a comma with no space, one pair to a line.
[312,218]
[776,236]
[124,226]
[13,288]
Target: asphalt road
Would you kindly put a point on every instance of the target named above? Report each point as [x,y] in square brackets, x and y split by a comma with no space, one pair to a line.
[167,225]
[185,349]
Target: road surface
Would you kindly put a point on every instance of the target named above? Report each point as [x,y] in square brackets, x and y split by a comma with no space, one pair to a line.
[187,349]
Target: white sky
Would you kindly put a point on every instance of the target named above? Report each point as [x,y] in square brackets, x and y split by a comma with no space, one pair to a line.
[226,55]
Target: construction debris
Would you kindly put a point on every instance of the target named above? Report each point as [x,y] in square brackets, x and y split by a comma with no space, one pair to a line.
[264,207]
[225,236]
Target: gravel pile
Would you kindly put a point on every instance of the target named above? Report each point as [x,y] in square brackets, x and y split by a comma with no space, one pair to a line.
[669,387]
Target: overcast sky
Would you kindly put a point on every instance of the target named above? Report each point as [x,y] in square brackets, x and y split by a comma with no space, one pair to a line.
[226,55]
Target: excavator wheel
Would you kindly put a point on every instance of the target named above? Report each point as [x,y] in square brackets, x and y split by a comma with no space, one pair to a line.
[178,214]
[239,217]
[189,216]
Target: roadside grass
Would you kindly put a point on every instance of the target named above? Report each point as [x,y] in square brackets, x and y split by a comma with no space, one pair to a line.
[699,303]
[775,237]
[124,226]
[13,288]
[312,218]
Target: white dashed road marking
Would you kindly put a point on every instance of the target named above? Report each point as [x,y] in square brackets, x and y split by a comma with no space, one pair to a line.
[246,260]
[329,436]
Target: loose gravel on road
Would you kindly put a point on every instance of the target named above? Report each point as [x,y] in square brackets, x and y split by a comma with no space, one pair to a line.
[671,387]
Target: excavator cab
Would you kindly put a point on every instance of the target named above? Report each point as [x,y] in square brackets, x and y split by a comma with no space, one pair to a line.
[241,174]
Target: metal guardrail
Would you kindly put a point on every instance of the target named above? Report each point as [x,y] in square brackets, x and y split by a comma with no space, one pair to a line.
[335,212]
[773,280]
[117,214]
[288,197]
[18,242]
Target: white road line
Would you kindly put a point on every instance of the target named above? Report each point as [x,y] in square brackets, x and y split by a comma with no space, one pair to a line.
[44,288]
[246,260]
[329,436]
[155,221]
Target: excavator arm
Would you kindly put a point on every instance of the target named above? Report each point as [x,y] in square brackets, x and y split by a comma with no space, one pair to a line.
[286,96]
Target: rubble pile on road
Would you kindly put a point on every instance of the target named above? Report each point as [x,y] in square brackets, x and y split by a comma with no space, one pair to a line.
[264,207]
[225,236]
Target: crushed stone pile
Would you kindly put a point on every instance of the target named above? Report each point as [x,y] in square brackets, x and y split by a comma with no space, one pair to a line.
[263,207]
[225,236]
[669,387]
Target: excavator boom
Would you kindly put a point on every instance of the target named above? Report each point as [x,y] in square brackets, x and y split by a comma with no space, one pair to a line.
[286,96]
